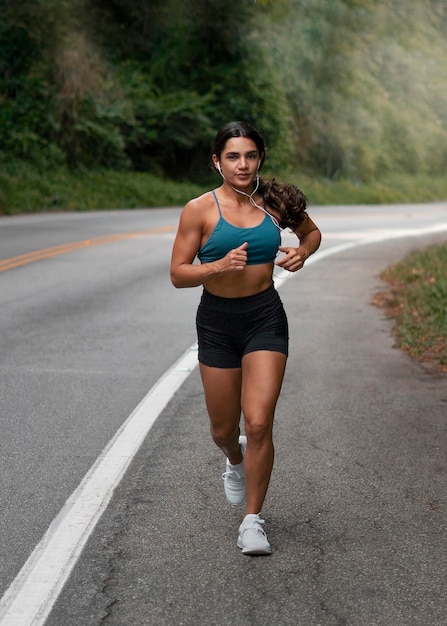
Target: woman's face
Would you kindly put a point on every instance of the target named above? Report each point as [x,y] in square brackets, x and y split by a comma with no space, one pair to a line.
[239,162]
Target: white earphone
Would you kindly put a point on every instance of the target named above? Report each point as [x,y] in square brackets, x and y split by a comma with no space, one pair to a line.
[250,196]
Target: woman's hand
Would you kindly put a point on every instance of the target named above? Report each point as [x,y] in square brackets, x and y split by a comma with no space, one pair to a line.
[293,259]
[235,260]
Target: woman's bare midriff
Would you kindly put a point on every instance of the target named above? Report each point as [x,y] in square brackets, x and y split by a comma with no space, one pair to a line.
[252,279]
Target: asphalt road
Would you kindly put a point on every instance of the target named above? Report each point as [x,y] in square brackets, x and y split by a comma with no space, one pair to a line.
[356,511]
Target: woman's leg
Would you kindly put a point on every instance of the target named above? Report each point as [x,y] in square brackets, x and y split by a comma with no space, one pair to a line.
[262,376]
[222,388]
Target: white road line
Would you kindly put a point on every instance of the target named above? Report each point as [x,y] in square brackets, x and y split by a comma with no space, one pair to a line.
[377,237]
[32,594]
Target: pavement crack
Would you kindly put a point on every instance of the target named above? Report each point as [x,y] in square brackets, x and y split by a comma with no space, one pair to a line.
[112,554]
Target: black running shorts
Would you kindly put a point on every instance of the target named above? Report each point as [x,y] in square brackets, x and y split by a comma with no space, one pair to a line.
[229,328]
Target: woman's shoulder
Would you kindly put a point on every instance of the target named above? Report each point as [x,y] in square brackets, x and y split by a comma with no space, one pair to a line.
[202,200]
[200,205]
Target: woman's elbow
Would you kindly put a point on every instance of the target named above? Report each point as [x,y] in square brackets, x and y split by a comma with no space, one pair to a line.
[179,279]
[175,279]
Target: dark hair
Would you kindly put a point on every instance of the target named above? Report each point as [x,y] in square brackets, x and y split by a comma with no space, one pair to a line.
[287,200]
[237,129]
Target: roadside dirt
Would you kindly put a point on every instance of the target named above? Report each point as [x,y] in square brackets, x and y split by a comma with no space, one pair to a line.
[390,301]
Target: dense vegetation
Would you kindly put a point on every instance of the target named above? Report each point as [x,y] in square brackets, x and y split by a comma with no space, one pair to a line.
[344,90]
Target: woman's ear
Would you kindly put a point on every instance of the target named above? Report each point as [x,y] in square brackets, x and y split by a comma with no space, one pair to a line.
[216,163]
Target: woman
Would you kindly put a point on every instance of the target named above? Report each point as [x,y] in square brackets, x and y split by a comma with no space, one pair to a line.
[241,324]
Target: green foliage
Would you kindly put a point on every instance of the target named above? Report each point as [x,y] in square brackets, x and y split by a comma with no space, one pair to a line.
[163,128]
[368,86]
[24,90]
[347,89]
[25,189]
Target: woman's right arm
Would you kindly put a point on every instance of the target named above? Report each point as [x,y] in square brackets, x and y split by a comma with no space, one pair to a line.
[186,273]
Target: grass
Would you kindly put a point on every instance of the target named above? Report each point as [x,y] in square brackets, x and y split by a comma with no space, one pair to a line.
[416,299]
[27,190]
[24,189]
[394,189]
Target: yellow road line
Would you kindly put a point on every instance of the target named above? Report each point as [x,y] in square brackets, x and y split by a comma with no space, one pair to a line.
[46,253]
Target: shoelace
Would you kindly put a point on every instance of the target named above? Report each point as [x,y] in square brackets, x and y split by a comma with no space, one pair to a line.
[229,473]
[255,525]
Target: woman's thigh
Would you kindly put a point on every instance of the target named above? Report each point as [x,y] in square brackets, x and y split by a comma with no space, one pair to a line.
[222,387]
[262,376]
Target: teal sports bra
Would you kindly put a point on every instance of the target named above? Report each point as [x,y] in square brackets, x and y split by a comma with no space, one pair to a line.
[263,240]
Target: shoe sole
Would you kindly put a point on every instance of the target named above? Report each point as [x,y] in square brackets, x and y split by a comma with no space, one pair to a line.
[255,552]
[259,551]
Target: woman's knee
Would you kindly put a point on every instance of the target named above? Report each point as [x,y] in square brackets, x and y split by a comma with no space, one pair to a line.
[258,431]
[224,434]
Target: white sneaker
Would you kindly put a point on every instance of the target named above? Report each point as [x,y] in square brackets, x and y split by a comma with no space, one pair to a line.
[234,478]
[252,538]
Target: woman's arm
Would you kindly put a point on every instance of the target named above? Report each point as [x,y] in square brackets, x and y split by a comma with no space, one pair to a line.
[186,273]
[310,237]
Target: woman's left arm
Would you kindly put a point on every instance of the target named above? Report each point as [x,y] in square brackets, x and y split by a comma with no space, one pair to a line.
[309,236]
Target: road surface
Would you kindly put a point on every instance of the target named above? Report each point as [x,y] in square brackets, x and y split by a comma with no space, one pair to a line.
[356,511]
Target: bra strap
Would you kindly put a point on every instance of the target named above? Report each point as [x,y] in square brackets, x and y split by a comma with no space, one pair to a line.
[217,202]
